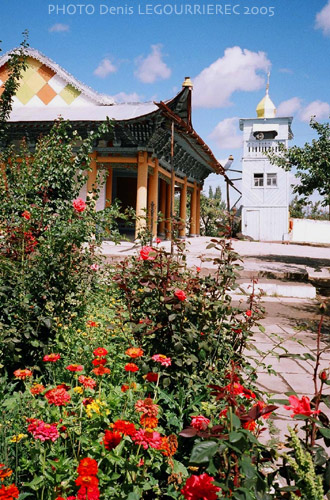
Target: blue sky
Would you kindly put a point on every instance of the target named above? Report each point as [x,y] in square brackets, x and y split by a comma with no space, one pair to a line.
[146,56]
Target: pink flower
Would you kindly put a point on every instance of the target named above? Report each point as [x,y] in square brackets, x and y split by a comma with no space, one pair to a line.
[147,438]
[79,205]
[163,360]
[87,381]
[301,406]
[180,295]
[95,267]
[200,488]
[200,422]
[45,432]
[145,253]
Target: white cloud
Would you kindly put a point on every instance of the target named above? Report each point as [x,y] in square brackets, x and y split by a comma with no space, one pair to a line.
[105,68]
[237,70]
[123,97]
[289,107]
[226,135]
[318,109]
[59,28]
[152,67]
[322,20]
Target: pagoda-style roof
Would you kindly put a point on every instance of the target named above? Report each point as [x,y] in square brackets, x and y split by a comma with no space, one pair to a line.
[137,126]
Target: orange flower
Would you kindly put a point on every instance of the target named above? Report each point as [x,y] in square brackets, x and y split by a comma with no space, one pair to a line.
[134,352]
[124,387]
[169,445]
[148,422]
[131,367]
[250,425]
[101,370]
[124,427]
[23,374]
[147,406]
[37,389]
[4,472]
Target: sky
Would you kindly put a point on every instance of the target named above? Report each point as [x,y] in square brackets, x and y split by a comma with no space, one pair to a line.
[141,50]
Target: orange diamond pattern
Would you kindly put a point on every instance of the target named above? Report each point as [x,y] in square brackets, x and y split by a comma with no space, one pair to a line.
[46,72]
[46,94]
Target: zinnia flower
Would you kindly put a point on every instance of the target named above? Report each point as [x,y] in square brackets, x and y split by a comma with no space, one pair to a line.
[148,422]
[87,467]
[163,360]
[22,374]
[152,377]
[100,351]
[51,357]
[8,492]
[91,324]
[134,352]
[131,367]
[200,488]
[200,422]
[37,389]
[301,406]
[4,472]
[124,427]
[101,370]
[58,396]
[87,381]
[147,406]
[99,361]
[45,432]
[75,368]
[124,387]
[180,295]
[79,205]
[111,439]
[146,438]
[169,445]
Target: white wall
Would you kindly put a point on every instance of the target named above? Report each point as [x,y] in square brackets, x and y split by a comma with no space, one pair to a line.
[310,231]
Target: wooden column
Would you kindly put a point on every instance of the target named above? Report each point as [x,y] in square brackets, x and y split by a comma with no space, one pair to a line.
[162,207]
[153,199]
[92,174]
[193,206]
[198,211]
[168,227]
[142,190]
[183,208]
[108,188]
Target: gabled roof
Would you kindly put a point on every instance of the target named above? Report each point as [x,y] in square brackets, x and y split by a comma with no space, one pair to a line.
[99,99]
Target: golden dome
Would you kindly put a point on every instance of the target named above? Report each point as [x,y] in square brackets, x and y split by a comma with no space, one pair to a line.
[266,108]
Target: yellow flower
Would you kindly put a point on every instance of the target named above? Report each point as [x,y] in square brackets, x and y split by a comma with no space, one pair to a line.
[59,324]
[18,438]
[79,390]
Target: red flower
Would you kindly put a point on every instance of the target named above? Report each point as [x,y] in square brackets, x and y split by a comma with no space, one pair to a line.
[134,352]
[22,374]
[58,396]
[87,481]
[145,253]
[250,425]
[87,467]
[147,406]
[323,375]
[75,368]
[157,241]
[101,370]
[8,492]
[52,357]
[99,361]
[26,215]
[111,439]
[99,351]
[124,427]
[180,295]
[162,359]
[79,205]
[146,438]
[37,389]
[237,389]
[87,381]
[200,422]
[131,367]
[124,388]
[45,432]
[248,313]
[152,377]
[301,406]
[91,324]
[4,472]
[200,488]
[198,269]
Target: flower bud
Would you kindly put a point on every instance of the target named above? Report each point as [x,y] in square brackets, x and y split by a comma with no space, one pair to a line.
[323,375]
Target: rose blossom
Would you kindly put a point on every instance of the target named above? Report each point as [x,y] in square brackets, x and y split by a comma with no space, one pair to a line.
[200,488]
[301,406]
[145,253]
[180,295]
[199,422]
[79,205]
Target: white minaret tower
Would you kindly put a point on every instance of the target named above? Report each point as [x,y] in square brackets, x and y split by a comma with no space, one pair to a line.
[265,187]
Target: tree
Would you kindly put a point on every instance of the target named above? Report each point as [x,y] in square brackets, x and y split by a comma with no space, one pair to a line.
[312,163]
[212,213]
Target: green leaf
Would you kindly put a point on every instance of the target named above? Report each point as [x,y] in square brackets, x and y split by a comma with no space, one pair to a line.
[325,432]
[203,452]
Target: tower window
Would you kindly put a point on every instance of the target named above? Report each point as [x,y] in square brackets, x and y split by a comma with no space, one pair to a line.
[272,180]
[258,180]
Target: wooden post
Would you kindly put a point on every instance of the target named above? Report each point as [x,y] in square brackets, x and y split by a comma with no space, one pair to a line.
[183,208]
[193,206]
[168,227]
[162,207]
[108,188]
[198,211]
[92,174]
[153,198]
[142,190]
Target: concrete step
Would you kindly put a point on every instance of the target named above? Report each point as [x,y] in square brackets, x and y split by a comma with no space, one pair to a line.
[277,288]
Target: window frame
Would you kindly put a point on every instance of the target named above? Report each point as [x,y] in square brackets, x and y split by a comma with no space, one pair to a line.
[260,178]
[274,176]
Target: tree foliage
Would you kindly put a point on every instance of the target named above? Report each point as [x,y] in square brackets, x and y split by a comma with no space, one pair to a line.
[212,212]
[312,163]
